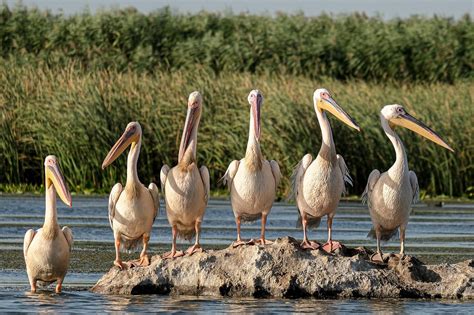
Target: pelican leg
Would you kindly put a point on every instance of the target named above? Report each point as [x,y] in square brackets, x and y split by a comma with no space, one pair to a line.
[59,285]
[402,241]
[262,239]
[32,284]
[144,259]
[196,247]
[378,256]
[118,261]
[173,253]
[239,241]
[306,244]
[331,245]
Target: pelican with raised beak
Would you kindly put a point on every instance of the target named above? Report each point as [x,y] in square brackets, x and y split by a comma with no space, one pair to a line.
[186,187]
[390,195]
[317,185]
[133,208]
[253,180]
[47,250]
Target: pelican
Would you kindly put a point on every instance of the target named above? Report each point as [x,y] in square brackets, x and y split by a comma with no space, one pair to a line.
[133,208]
[253,180]
[186,187]
[319,184]
[389,195]
[47,250]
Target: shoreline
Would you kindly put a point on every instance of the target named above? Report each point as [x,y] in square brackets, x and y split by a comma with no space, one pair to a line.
[223,195]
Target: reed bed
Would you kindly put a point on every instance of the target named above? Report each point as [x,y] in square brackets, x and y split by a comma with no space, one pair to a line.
[342,47]
[77,115]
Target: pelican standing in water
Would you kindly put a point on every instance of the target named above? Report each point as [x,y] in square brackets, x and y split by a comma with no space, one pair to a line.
[253,180]
[133,208]
[186,187]
[390,194]
[47,250]
[319,184]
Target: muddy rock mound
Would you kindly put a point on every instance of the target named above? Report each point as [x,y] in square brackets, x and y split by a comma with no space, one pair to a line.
[283,269]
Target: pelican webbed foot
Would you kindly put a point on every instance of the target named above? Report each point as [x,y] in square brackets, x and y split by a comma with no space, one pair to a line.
[173,254]
[120,264]
[143,261]
[262,241]
[378,257]
[400,256]
[238,243]
[332,246]
[196,248]
[310,245]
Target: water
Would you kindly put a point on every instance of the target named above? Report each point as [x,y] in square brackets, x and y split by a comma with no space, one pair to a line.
[435,234]
[78,302]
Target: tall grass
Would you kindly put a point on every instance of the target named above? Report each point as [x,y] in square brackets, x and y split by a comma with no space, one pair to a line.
[78,115]
[344,48]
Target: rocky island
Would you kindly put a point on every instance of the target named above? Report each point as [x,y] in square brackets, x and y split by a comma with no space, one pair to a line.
[283,269]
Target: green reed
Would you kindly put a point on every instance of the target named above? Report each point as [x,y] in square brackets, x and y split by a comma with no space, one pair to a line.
[78,115]
[342,47]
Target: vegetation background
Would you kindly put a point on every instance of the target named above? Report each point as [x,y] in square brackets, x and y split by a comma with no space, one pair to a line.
[70,84]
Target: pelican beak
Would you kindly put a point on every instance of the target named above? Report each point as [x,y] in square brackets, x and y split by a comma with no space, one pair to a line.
[256,104]
[55,177]
[408,121]
[191,120]
[331,106]
[127,138]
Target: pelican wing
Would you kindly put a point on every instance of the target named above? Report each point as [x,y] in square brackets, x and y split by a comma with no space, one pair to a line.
[205,180]
[414,187]
[373,178]
[230,173]
[29,235]
[113,198]
[276,172]
[68,235]
[155,194]
[298,174]
[345,172]
[163,176]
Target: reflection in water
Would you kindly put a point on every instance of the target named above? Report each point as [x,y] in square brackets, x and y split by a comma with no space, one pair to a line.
[387,306]
[46,301]
[84,301]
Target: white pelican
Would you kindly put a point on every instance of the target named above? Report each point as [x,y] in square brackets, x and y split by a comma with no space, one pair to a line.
[253,180]
[319,184]
[47,250]
[186,188]
[133,208]
[389,195]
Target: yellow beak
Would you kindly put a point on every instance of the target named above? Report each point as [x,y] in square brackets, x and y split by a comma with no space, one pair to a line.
[331,106]
[122,143]
[55,177]
[410,122]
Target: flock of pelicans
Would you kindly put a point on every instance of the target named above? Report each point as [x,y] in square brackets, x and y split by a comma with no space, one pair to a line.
[317,185]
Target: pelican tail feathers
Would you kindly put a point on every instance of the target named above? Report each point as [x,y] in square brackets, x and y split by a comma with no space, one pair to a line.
[247,217]
[387,235]
[313,222]
[129,245]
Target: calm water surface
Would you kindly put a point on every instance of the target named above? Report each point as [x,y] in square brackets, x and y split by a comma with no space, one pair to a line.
[433,233]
